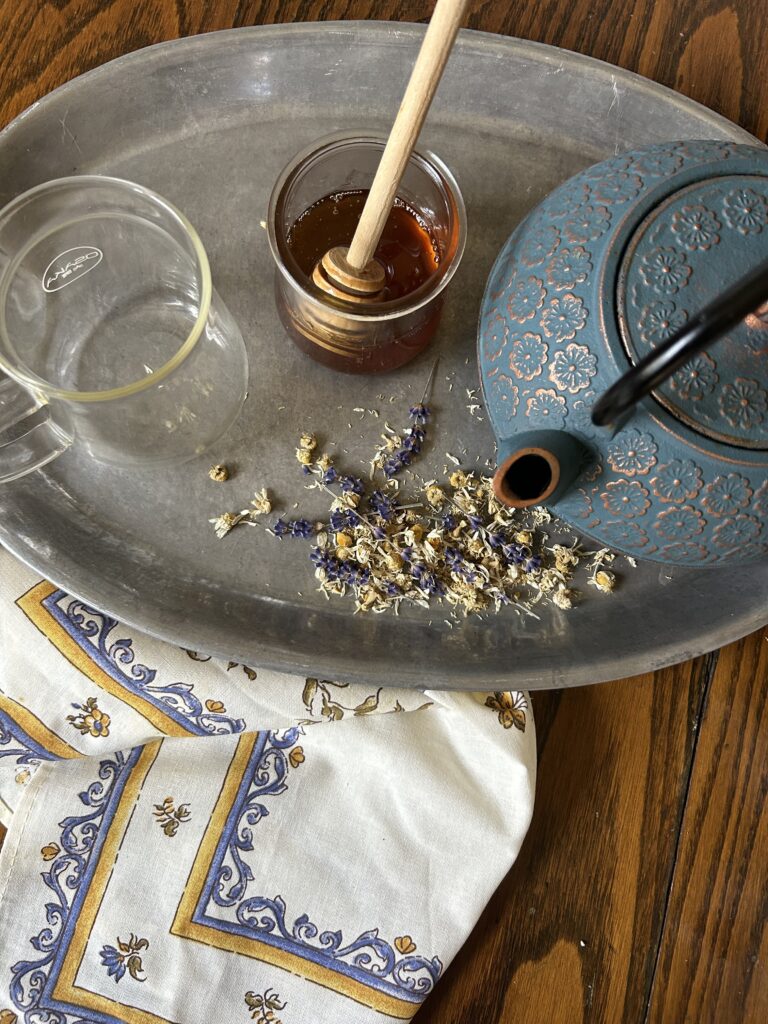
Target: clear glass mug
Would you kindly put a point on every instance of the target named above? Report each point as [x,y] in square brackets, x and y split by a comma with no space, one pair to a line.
[109,323]
[375,336]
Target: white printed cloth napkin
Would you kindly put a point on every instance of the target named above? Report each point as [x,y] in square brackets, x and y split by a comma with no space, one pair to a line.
[279,872]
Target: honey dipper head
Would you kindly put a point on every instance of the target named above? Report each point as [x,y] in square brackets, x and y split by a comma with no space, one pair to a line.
[335,276]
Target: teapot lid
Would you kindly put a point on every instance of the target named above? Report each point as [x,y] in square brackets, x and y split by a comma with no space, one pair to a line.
[685,253]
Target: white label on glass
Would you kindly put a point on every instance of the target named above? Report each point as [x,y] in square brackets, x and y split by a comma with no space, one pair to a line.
[69,265]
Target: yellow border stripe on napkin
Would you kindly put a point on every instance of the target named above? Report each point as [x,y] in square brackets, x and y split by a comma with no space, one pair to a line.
[65,988]
[32,606]
[38,730]
[184,926]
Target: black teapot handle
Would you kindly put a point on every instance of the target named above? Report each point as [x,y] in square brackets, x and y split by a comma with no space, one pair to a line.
[747,295]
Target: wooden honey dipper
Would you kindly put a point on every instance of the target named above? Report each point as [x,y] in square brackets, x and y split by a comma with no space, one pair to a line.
[352,274]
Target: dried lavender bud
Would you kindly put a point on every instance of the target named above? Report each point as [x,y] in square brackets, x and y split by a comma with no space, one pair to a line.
[382,504]
[301,528]
[341,518]
[419,413]
[351,484]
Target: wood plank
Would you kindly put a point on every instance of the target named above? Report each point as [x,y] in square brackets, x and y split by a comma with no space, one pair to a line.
[714,54]
[713,963]
[571,934]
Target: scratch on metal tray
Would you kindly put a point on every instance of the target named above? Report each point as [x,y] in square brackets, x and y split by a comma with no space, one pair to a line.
[616,102]
[67,132]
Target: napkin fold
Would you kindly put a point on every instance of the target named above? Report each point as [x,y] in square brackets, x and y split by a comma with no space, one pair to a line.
[281,872]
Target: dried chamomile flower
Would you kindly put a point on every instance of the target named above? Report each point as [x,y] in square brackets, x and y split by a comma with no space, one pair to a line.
[458,479]
[435,540]
[219,473]
[304,456]
[324,462]
[308,442]
[434,495]
[548,581]
[539,515]
[393,561]
[260,503]
[562,598]
[603,580]
[367,597]
[225,522]
[414,533]
[565,558]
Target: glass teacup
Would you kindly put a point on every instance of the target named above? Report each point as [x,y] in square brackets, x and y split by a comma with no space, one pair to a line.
[109,321]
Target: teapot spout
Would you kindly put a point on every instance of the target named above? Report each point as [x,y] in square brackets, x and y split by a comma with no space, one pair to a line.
[538,467]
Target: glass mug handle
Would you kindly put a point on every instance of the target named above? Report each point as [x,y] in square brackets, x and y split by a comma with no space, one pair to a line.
[36,446]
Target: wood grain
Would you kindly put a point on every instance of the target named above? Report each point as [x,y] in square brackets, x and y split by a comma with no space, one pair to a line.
[640,893]
[572,933]
[713,962]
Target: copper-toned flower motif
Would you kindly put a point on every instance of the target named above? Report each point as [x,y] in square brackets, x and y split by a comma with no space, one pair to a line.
[696,379]
[666,270]
[737,533]
[743,403]
[696,227]
[746,211]
[527,356]
[563,317]
[726,495]
[677,481]
[632,453]
[680,523]
[625,498]
[573,368]
[660,321]
[526,299]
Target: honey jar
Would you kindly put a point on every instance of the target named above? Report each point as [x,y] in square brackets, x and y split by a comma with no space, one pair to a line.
[315,205]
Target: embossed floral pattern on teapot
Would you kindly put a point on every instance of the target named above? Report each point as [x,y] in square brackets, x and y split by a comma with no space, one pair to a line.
[607,269]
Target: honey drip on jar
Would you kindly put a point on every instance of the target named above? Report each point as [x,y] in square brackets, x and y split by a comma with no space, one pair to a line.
[406,249]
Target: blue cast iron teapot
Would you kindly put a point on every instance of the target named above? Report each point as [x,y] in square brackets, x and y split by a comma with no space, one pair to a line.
[610,402]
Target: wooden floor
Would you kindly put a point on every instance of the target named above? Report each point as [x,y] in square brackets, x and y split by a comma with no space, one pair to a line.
[641,893]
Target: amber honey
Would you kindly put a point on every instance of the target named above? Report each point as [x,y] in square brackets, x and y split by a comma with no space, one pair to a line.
[406,250]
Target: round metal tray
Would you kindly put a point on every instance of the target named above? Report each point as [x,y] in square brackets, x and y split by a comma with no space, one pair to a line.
[209,122]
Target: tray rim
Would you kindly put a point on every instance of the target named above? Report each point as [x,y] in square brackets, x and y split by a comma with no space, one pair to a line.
[600,670]
[411,30]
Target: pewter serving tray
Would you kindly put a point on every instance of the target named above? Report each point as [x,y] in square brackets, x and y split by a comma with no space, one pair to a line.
[209,122]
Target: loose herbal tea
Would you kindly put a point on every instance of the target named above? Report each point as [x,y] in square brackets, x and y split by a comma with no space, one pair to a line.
[453,542]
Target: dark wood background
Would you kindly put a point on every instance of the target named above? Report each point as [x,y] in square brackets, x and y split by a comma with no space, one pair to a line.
[641,893]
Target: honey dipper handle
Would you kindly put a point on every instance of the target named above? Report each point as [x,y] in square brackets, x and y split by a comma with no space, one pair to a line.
[425,78]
